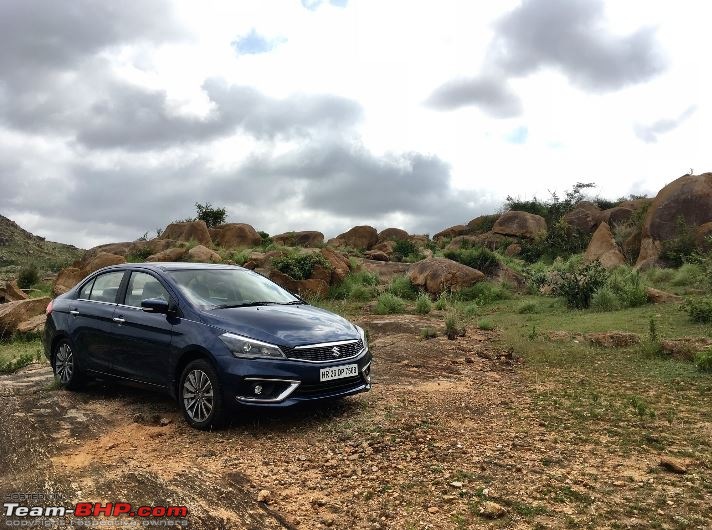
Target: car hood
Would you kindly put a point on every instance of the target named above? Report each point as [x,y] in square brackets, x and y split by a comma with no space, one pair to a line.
[284,325]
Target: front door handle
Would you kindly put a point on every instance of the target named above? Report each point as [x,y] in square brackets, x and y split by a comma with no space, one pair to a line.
[74,312]
[119,320]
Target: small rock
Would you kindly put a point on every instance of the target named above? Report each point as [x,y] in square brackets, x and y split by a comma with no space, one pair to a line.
[112,445]
[165,421]
[492,510]
[673,464]
[264,496]
[433,509]
[456,484]
[469,360]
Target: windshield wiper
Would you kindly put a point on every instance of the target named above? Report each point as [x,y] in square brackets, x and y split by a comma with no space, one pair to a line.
[244,304]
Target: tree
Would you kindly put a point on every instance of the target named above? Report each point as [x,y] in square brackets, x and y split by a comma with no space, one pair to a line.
[212,216]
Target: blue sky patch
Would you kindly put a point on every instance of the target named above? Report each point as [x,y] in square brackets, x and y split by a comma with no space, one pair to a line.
[518,135]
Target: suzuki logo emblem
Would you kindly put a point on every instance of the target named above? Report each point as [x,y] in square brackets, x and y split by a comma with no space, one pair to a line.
[336,351]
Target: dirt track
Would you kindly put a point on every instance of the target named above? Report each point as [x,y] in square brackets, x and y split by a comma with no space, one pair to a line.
[448,426]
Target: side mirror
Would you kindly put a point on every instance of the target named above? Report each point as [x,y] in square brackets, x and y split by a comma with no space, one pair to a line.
[155,305]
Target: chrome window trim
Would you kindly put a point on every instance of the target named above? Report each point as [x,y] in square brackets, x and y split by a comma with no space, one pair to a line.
[96,301]
[293,384]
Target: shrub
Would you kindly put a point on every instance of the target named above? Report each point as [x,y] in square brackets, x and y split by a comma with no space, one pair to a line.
[577,286]
[483,293]
[266,239]
[604,300]
[441,302]
[485,325]
[389,304]
[658,275]
[480,258]
[470,310]
[241,257]
[28,276]
[139,255]
[682,247]
[358,286]
[428,333]
[212,216]
[453,329]
[688,274]
[402,287]
[699,309]
[626,285]
[299,266]
[423,305]
[652,347]
[405,250]
[703,361]
[527,308]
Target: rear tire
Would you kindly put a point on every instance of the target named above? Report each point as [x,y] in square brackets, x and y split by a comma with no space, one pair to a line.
[66,367]
[200,396]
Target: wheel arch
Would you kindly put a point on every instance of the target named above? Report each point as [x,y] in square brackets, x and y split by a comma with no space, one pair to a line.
[189,355]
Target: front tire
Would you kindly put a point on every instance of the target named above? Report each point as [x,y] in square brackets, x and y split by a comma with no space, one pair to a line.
[66,367]
[200,396]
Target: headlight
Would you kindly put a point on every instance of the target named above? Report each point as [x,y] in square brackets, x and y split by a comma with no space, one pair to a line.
[250,348]
[363,337]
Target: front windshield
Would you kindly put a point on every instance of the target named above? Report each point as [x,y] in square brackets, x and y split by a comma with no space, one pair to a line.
[213,288]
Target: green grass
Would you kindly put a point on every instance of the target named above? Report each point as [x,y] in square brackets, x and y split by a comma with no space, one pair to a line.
[18,353]
[389,304]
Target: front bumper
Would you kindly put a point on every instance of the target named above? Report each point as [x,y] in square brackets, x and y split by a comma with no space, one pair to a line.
[283,383]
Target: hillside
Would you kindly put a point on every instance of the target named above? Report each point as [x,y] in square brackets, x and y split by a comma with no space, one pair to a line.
[19,247]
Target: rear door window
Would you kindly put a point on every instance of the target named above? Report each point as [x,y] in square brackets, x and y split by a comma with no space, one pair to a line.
[106,287]
[85,291]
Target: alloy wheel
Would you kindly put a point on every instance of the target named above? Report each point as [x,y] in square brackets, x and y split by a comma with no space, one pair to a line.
[64,363]
[198,397]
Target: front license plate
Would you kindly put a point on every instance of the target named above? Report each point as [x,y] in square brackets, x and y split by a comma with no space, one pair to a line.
[338,372]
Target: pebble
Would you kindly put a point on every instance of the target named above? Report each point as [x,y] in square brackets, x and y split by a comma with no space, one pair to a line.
[456,484]
[492,510]
[433,509]
[673,464]
[264,496]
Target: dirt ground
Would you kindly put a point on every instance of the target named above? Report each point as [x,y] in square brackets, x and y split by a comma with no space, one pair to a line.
[449,428]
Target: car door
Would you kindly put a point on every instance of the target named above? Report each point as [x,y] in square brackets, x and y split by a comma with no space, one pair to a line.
[91,323]
[144,338]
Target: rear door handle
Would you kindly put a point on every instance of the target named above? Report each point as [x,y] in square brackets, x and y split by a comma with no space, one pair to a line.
[119,320]
[73,312]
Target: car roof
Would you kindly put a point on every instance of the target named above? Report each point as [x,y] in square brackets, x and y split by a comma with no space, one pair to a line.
[176,266]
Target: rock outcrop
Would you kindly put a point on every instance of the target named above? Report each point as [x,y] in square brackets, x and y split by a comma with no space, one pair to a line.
[450,232]
[305,238]
[13,314]
[10,292]
[339,264]
[392,234]
[188,231]
[603,248]
[307,288]
[688,198]
[71,276]
[168,255]
[201,254]
[585,217]
[437,275]
[235,235]
[360,237]
[520,224]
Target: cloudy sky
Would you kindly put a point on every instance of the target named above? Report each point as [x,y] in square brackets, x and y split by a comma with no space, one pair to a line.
[116,117]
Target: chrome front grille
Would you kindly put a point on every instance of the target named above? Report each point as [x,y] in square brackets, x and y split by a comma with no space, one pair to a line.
[325,353]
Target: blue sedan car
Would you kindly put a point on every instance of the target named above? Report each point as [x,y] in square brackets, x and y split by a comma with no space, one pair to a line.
[213,336]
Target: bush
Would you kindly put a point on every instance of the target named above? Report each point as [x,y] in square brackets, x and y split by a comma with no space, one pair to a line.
[470,310]
[626,285]
[428,333]
[687,275]
[139,255]
[527,308]
[299,266]
[483,293]
[441,302]
[699,309]
[682,247]
[658,276]
[389,304]
[703,361]
[605,300]
[423,305]
[28,276]
[480,258]
[485,325]
[402,287]
[266,239]
[453,329]
[405,250]
[241,257]
[358,286]
[212,216]
[577,286]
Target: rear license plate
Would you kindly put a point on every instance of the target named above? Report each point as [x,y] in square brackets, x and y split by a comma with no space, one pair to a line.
[338,372]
